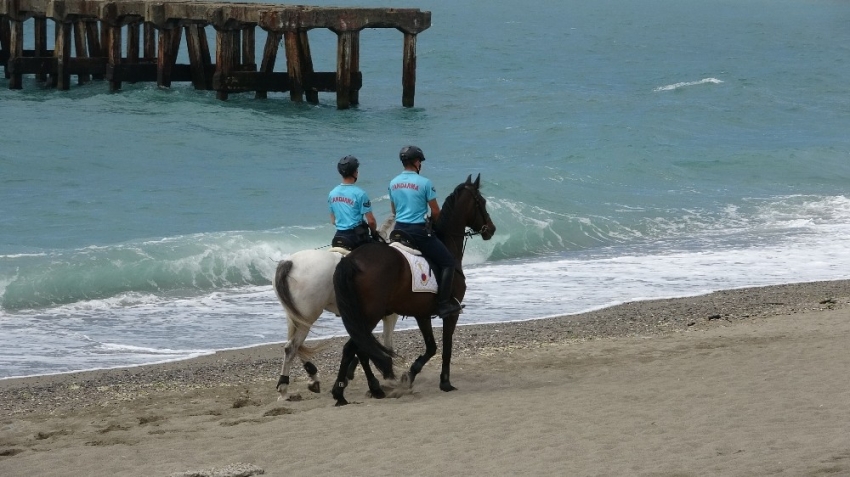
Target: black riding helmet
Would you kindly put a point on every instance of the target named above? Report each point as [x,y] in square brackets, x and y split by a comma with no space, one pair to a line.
[409,154]
[347,166]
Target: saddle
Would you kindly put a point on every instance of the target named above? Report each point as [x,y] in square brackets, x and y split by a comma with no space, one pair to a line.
[422,276]
[343,242]
[401,237]
[361,232]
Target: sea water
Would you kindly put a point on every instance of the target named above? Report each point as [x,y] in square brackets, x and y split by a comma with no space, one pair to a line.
[628,150]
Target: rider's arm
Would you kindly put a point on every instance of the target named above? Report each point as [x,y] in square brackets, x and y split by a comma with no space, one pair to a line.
[370,219]
[435,210]
[333,219]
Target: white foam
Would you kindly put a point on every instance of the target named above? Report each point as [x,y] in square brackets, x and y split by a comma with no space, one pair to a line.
[671,87]
[22,255]
[145,350]
[516,291]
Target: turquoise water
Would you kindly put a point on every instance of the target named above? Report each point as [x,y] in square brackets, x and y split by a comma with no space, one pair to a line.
[628,150]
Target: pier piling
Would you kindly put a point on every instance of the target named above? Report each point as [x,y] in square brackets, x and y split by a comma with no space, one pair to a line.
[140,40]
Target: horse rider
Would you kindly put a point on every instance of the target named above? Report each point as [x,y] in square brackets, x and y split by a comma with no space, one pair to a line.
[351,209]
[412,197]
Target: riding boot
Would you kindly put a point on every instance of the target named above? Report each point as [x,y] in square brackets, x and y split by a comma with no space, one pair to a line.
[446,304]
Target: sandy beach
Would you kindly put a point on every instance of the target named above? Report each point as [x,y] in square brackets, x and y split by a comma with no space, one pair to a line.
[740,382]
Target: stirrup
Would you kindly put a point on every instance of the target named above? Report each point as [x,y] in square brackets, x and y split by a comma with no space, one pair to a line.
[449,308]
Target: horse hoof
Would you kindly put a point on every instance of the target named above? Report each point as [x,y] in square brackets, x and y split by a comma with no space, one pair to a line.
[341,402]
[314,387]
[377,394]
[407,378]
[447,387]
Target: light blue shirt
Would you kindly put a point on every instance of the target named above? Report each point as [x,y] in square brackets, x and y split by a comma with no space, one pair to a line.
[348,203]
[410,194]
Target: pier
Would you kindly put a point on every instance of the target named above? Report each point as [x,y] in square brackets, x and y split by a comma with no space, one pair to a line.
[119,41]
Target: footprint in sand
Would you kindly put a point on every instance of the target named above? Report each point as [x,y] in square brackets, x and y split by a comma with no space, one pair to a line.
[40,436]
[278,411]
[149,419]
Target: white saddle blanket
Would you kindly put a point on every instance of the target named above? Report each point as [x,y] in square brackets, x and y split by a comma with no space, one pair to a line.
[422,278]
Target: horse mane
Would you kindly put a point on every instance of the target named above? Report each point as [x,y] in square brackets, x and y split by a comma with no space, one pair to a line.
[448,208]
[387,227]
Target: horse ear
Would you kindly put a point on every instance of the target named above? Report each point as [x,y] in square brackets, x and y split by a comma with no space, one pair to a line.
[469,179]
[477,180]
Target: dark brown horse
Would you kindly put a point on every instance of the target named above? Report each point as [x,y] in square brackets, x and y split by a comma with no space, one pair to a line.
[375,280]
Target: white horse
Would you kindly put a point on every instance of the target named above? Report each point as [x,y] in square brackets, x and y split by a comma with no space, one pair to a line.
[304,286]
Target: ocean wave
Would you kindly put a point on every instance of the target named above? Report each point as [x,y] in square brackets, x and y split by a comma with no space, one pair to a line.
[140,273]
[19,255]
[128,272]
[674,86]
[526,231]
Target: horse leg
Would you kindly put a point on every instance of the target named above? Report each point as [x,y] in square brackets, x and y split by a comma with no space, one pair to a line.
[430,347]
[352,367]
[290,351]
[370,376]
[348,354]
[375,389]
[313,372]
[449,325]
[389,327]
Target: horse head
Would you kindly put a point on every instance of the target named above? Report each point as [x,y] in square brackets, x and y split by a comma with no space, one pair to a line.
[466,208]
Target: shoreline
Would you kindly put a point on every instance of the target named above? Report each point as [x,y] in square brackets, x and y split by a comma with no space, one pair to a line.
[412,324]
[261,363]
[437,325]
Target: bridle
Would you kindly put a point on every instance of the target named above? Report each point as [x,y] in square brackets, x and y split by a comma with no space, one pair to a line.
[482,211]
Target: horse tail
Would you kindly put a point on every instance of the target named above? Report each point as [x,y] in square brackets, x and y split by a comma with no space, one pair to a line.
[294,318]
[281,286]
[348,303]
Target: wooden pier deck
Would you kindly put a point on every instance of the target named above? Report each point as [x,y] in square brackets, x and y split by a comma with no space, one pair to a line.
[139,40]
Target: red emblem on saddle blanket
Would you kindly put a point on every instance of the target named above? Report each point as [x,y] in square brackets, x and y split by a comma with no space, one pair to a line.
[424,278]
